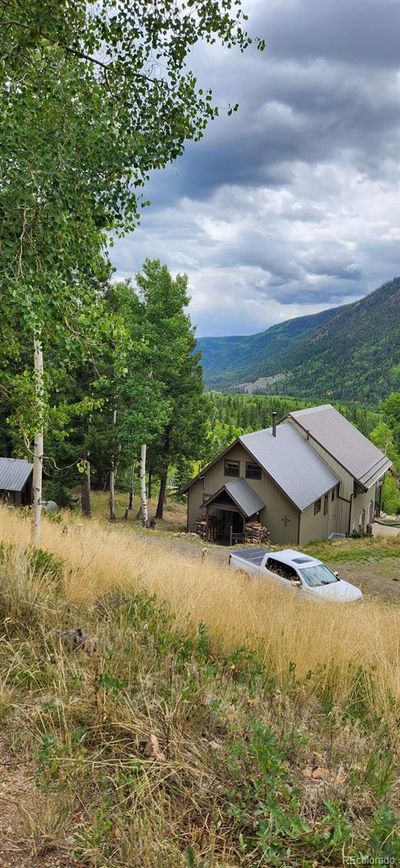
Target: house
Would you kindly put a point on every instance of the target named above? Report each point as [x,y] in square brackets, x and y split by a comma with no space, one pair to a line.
[15,481]
[312,475]
[360,465]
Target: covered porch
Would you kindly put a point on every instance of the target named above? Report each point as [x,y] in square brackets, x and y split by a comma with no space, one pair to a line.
[228,511]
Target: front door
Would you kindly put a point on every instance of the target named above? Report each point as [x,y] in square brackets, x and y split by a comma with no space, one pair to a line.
[233,525]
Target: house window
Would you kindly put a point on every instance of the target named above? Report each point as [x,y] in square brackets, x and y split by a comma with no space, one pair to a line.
[253,471]
[231,468]
[333,495]
[317,506]
[326,504]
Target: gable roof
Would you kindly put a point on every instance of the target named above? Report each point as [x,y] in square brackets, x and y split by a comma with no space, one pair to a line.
[364,461]
[14,473]
[242,495]
[295,467]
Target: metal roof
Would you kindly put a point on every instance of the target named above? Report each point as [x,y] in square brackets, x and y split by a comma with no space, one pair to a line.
[245,498]
[364,461]
[295,467]
[14,473]
[242,494]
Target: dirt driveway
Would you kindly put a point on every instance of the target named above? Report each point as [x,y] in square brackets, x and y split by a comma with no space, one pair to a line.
[384,530]
[376,578]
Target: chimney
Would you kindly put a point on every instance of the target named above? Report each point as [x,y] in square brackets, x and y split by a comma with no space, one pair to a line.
[274,415]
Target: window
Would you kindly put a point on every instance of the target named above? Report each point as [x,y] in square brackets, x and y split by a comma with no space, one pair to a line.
[253,471]
[326,504]
[318,575]
[333,495]
[231,468]
[317,506]
[283,570]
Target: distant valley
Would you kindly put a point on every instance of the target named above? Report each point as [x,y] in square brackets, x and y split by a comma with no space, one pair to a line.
[350,352]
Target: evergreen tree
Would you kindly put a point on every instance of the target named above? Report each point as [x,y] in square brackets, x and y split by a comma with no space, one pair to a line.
[176,367]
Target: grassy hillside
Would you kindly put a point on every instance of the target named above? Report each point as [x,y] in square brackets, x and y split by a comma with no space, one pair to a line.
[206,720]
[354,354]
[238,359]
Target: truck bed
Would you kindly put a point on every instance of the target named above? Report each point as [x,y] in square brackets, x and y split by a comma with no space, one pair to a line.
[251,556]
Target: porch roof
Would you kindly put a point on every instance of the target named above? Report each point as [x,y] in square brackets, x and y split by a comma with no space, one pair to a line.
[243,496]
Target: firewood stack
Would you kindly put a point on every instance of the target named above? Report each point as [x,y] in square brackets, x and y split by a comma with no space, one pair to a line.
[207,528]
[201,527]
[254,532]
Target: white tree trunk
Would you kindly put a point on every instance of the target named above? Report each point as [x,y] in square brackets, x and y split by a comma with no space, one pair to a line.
[143,493]
[38,442]
[111,501]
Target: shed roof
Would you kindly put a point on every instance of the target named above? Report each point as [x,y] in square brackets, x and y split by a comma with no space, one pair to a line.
[243,496]
[364,461]
[14,473]
[295,467]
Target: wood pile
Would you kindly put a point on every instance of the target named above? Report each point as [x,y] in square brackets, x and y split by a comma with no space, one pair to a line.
[254,532]
[207,528]
[201,527]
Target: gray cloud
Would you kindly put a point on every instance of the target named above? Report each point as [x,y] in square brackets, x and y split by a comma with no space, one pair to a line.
[292,204]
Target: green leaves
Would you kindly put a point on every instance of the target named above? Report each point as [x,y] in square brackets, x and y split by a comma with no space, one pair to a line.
[93,97]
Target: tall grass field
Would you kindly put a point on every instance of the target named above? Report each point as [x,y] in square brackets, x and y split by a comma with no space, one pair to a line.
[202,719]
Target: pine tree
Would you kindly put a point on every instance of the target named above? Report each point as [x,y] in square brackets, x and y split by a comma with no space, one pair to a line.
[176,366]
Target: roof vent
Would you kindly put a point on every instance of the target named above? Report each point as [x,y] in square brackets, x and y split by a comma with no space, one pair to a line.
[274,415]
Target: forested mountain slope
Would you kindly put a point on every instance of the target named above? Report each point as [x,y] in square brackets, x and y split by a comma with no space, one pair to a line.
[353,353]
[234,359]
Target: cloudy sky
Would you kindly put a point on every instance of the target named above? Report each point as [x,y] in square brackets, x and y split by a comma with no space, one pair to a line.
[291,205]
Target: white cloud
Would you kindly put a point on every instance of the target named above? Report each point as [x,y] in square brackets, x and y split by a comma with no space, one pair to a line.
[291,205]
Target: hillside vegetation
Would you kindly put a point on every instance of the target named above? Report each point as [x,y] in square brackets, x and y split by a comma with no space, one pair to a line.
[236,359]
[357,353]
[205,721]
[354,354]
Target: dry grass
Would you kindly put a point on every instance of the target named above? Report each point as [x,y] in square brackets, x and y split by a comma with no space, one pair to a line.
[175,513]
[170,745]
[291,634]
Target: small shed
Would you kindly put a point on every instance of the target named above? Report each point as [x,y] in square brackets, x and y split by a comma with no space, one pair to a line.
[15,481]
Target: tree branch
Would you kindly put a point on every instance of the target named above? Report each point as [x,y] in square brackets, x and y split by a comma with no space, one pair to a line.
[106,66]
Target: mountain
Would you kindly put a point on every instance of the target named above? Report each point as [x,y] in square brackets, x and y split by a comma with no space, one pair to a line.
[230,360]
[349,353]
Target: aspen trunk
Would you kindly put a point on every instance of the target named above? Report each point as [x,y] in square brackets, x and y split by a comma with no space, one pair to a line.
[85,492]
[111,500]
[38,442]
[143,493]
[161,496]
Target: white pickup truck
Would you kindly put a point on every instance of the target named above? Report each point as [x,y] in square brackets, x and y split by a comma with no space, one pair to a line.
[293,569]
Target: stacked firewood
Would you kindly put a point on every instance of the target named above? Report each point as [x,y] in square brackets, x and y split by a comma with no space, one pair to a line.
[254,532]
[201,527]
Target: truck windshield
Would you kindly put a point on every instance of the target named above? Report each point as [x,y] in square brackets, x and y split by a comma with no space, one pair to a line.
[318,575]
